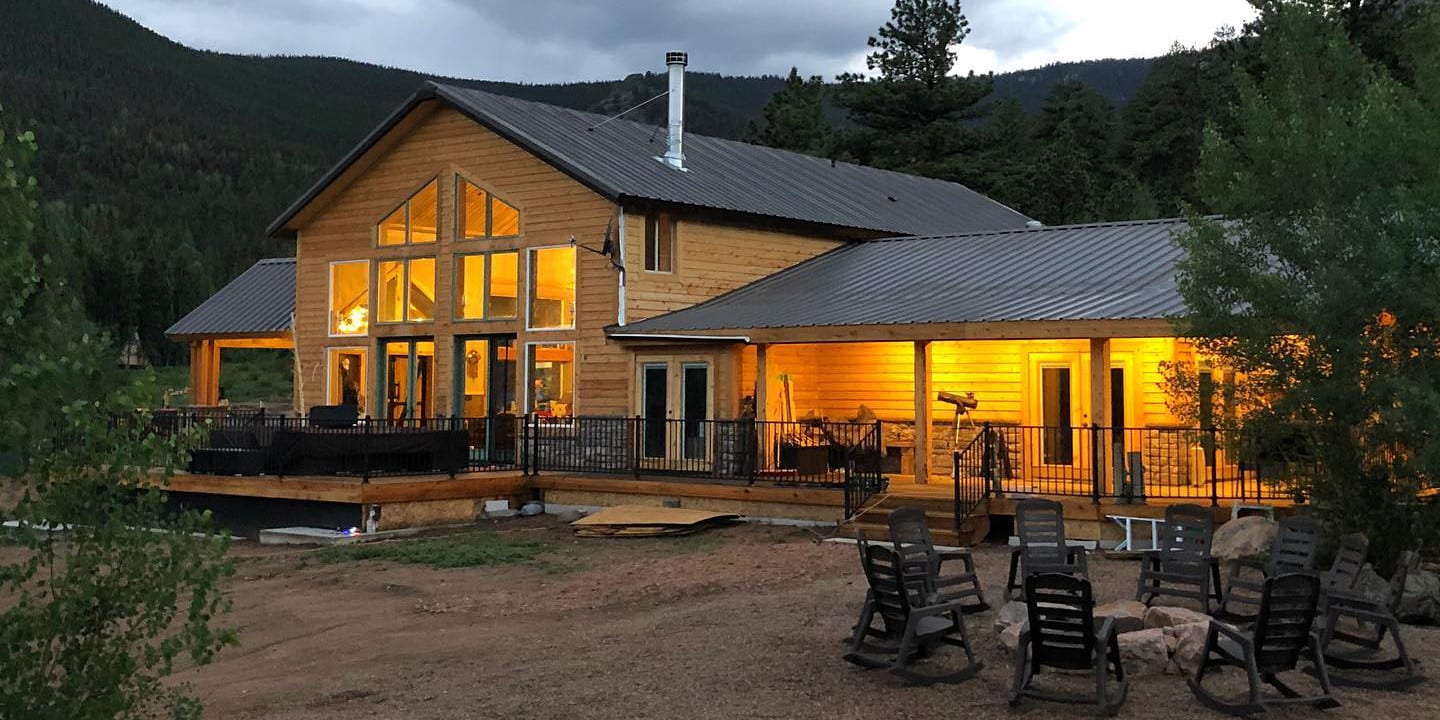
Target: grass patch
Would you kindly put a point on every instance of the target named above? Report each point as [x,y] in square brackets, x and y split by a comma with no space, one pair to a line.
[449,551]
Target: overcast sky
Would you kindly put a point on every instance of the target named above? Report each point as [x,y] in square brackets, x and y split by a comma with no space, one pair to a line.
[560,40]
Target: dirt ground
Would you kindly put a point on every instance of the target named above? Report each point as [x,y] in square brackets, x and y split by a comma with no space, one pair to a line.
[739,622]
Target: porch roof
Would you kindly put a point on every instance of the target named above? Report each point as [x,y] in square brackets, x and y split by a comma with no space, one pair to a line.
[257,304]
[1105,272]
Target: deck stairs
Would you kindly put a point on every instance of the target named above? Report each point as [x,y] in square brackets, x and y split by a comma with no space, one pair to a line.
[872,519]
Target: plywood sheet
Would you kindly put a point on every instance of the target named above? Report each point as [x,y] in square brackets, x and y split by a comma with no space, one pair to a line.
[648,521]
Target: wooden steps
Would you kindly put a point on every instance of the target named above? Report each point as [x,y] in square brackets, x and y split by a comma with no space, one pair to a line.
[872,521]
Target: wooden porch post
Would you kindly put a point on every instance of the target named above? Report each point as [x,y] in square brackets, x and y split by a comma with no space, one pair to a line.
[762,385]
[204,372]
[1100,414]
[923,397]
[197,370]
[214,370]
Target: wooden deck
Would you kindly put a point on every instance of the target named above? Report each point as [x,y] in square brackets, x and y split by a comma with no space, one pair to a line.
[353,490]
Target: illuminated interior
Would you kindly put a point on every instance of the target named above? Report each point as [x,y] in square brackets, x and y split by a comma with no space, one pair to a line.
[487,370]
[346,384]
[483,215]
[470,287]
[504,284]
[350,298]
[409,373]
[415,221]
[405,290]
[551,370]
[552,287]
[470,282]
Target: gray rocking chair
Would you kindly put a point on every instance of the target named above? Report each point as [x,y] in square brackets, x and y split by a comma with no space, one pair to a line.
[1292,551]
[913,623]
[1182,567]
[1041,527]
[1279,639]
[1375,618]
[1061,634]
[910,535]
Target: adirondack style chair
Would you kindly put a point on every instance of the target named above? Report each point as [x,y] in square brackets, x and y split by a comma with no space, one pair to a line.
[1292,551]
[1344,573]
[1375,618]
[1182,567]
[1275,644]
[1041,527]
[911,625]
[1061,634]
[910,536]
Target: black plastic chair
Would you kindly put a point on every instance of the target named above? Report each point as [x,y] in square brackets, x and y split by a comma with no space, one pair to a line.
[1292,551]
[910,536]
[1279,639]
[1344,573]
[1061,634]
[1182,567]
[1375,617]
[1041,527]
[912,626]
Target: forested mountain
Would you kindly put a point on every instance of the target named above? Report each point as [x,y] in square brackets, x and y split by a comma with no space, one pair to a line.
[171,160]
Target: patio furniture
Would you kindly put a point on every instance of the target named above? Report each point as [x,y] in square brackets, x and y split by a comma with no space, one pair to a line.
[1127,523]
[1182,566]
[910,535]
[1041,527]
[912,625]
[1344,572]
[1292,551]
[1279,639]
[1061,634]
[1375,618]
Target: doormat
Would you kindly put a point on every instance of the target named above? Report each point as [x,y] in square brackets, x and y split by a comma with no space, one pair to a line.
[649,521]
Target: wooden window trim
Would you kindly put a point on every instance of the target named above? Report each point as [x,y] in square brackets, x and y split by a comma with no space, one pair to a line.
[457,288]
[461,179]
[661,230]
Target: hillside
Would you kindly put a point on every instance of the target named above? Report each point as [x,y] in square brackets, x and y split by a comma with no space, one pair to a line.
[175,159]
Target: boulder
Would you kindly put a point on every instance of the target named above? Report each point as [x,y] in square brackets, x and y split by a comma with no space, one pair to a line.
[1010,636]
[1010,613]
[1162,616]
[1189,644]
[1129,615]
[1144,652]
[1243,539]
[1420,604]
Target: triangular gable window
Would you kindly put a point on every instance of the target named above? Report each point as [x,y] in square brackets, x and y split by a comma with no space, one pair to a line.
[414,222]
[482,215]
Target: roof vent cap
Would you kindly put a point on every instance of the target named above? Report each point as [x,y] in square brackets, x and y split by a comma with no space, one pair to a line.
[1034,224]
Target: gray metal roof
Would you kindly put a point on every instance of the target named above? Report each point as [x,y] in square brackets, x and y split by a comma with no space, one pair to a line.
[258,302]
[617,160]
[1107,271]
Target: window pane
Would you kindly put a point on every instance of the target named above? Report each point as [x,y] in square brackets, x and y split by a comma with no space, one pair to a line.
[392,228]
[470,287]
[474,385]
[347,377]
[390,281]
[665,246]
[652,235]
[552,378]
[1058,445]
[552,287]
[472,211]
[504,220]
[424,214]
[422,289]
[349,298]
[504,284]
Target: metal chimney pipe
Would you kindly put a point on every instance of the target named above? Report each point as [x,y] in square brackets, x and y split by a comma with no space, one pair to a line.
[674,146]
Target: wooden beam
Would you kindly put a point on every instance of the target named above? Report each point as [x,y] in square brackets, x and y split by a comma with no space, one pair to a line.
[1100,381]
[762,384]
[923,395]
[273,343]
[1002,330]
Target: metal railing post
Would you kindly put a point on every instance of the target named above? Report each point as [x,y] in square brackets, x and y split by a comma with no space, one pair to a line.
[1097,458]
[1214,468]
[365,471]
[636,446]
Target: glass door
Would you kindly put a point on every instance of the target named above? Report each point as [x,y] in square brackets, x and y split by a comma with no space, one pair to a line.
[675,403]
[485,395]
[655,409]
[407,377]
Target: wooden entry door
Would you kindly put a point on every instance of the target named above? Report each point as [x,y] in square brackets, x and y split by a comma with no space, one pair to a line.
[675,400]
[1056,440]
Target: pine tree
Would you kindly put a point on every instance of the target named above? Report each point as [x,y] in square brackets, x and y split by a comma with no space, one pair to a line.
[1078,176]
[795,118]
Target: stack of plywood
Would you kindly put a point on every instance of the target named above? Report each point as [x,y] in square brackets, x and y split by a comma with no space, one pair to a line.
[648,521]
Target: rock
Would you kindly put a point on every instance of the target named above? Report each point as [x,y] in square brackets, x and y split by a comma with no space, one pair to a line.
[1010,613]
[1129,615]
[1420,604]
[1010,636]
[569,516]
[1189,642]
[1162,616]
[1144,652]
[1243,538]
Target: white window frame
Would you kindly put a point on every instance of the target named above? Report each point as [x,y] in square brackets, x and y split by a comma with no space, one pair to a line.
[528,382]
[364,351]
[530,289]
[330,300]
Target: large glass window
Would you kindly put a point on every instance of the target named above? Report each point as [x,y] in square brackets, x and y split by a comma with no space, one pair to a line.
[350,297]
[472,299]
[552,288]
[550,368]
[406,290]
[482,215]
[415,221]
[660,243]
[408,376]
[346,383]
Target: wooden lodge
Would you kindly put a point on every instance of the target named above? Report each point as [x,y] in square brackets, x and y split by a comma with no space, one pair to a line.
[632,294]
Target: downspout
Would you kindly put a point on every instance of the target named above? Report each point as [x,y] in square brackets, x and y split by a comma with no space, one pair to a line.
[620,311]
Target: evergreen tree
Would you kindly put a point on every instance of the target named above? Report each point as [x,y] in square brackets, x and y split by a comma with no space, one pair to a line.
[1315,287]
[914,115]
[795,118]
[1078,176]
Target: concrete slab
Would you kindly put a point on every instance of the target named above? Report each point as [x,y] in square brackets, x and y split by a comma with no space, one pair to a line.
[326,536]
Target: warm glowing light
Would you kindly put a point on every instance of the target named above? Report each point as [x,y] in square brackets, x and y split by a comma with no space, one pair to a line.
[355,321]
[1387,319]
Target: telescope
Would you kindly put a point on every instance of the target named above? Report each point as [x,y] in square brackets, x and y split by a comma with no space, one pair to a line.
[962,403]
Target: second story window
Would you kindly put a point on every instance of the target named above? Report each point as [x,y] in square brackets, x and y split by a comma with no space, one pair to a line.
[485,285]
[482,215]
[660,243]
[552,288]
[414,222]
[349,297]
[406,290]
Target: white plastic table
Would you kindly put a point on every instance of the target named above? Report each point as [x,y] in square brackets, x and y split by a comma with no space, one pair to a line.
[1127,523]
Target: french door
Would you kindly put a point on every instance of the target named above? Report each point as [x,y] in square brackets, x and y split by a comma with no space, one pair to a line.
[675,402]
[484,395]
[407,379]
